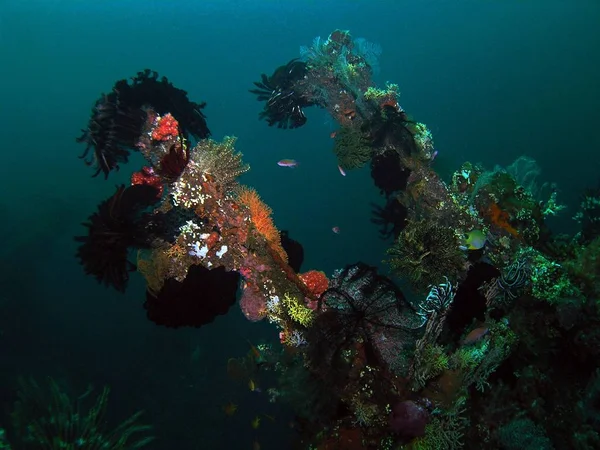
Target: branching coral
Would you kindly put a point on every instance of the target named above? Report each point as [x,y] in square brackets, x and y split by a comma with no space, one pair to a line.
[523,433]
[428,363]
[426,252]
[444,432]
[297,311]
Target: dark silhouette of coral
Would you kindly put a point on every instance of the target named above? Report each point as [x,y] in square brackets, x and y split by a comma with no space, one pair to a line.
[203,295]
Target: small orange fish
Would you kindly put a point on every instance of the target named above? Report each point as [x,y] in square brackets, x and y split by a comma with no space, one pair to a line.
[333,134]
[230,409]
[475,335]
[255,422]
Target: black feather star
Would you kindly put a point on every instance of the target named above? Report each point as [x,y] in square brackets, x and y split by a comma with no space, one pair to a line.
[112,130]
[118,118]
[361,306]
[284,103]
[118,225]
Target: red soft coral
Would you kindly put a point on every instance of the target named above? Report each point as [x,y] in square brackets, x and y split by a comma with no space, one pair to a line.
[166,128]
[315,281]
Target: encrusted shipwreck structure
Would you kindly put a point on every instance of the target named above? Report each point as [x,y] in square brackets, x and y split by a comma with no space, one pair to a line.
[363,365]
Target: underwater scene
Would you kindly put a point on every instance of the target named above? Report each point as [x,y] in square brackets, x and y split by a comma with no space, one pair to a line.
[300,224]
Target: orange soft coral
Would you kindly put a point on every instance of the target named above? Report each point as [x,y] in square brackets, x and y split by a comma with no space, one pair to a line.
[260,213]
[315,281]
[500,218]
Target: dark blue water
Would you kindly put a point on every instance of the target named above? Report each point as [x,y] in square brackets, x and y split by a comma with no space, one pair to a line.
[492,79]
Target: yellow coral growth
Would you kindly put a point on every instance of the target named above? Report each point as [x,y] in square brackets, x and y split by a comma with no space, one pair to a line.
[260,213]
[152,266]
[297,311]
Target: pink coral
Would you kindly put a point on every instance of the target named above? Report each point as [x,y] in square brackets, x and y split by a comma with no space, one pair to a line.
[253,303]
